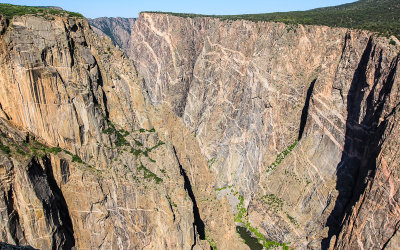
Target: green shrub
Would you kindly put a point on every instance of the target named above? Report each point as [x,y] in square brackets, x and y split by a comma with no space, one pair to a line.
[54,150]
[149,175]
[211,241]
[9,10]
[76,158]
[281,156]
[392,42]
[38,144]
[275,203]
[138,143]
[210,162]
[136,152]
[292,219]
[223,188]
[142,130]
[21,152]
[5,149]
[67,152]
[121,141]
[34,150]
[120,134]
[241,217]
[108,131]
[160,143]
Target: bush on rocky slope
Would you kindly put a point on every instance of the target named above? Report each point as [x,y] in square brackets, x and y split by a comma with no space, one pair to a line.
[9,10]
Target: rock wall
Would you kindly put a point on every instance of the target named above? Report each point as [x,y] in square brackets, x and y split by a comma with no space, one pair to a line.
[86,160]
[247,91]
[289,131]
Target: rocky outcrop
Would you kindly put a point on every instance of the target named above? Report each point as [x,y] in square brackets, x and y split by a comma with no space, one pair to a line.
[247,91]
[86,161]
[368,184]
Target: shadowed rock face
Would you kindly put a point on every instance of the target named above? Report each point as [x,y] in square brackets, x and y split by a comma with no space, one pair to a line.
[225,98]
[5,246]
[118,29]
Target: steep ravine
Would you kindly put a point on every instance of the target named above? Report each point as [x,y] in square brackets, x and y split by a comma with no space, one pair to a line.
[198,224]
[290,132]
[248,90]
[86,160]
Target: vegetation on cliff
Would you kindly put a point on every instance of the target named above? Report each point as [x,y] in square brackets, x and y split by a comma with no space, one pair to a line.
[137,149]
[382,16]
[10,10]
[281,156]
[241,218]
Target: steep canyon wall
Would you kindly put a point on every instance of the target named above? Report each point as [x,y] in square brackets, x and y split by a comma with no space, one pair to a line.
[290,131]
[248,91]
[86,161]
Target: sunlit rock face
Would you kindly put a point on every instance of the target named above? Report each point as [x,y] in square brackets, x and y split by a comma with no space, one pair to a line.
[247,91]
[85,160]
[195,126]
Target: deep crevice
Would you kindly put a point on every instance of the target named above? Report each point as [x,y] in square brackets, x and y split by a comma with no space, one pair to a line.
[304,113]
[363,141]
[67,227]
[71,45]
[64,168]
[198,224]
[4,113]
[54,204]
[13,222]
[103,94]
[71,48]
[74,28]
[170,207]
[391,237]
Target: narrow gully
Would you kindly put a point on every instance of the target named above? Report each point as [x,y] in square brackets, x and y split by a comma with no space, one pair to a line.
[198,224]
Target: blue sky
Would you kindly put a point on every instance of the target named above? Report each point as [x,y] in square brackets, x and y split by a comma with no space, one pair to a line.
[131,8]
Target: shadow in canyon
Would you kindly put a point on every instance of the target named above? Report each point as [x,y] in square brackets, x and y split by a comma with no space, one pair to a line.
[53,202]
[304,113]
[198,224]
[363,139]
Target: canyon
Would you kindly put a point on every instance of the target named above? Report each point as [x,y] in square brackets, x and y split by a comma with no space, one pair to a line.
[166,132]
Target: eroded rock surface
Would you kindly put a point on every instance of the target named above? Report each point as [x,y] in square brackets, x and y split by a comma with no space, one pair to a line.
[290,131]
[247,91]
[86,161]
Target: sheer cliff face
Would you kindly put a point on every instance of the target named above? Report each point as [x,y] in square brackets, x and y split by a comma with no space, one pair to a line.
[96,153]
[117,28]
[248,90]
[85,159]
